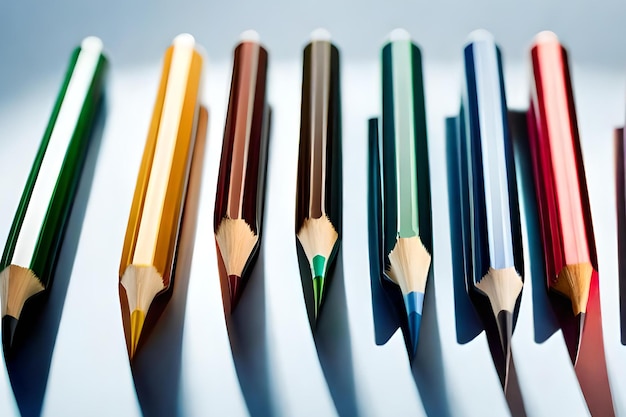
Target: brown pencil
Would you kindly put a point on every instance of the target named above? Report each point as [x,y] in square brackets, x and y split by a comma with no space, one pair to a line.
[241,182]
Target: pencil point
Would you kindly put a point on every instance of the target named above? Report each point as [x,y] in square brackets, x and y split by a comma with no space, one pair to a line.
[234,284]
[318,293]
[318,268]
[504,321]
[137,319]
[9,324]
[414,302]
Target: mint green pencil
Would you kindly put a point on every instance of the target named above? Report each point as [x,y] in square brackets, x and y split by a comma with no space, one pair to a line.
[36,235]
[407,240]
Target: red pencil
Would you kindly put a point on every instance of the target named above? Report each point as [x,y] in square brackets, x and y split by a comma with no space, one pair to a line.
[565,218]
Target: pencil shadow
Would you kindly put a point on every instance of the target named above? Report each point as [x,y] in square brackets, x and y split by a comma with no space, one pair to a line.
[247,331]
[157,364]
[513,392]
[620,200]
[334,343]
[28,364]
[385,302]
[544,320]
[468,325]
[427,367]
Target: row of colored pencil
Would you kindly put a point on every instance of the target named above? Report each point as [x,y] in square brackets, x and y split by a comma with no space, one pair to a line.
[482,168]
[401,230]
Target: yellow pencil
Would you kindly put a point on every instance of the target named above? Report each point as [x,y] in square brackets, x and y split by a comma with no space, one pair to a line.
[154,223]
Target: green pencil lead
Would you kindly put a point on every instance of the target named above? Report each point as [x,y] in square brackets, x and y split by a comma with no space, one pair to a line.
[318,269]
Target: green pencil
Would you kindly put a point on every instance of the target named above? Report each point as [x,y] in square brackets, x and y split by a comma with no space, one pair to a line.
[36,235]
[318,201]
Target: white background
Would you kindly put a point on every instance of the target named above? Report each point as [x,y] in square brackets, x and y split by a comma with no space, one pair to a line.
[271,364]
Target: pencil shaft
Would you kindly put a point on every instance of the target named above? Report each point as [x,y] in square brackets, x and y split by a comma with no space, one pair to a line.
[490,174]
[557,159]
[319,157]
[241,179]
[154,220]
[240,190]
[406,174]
[38,227]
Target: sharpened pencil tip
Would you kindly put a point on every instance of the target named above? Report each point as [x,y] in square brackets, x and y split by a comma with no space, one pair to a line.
[504,322]
[9,324]
[414,302]
[137,319]
[234,290]
[415,320]
[318,293]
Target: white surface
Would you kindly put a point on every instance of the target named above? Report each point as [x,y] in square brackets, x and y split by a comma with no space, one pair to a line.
[274,350]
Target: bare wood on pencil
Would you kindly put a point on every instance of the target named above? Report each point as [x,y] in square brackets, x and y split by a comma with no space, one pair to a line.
[318,237]
[17,284]
[236,241]
[409,264]
[502,287]
[574,282]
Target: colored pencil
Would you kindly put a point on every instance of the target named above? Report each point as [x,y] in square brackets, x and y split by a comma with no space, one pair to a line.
[36,236]
[491,226]
[240,191]
[565,217]
[153,228]
[407,241]
[318,200]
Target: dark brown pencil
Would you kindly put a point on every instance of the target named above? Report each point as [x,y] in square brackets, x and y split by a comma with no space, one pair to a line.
[318,204]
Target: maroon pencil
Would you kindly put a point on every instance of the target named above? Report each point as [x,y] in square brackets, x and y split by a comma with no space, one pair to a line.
[239,200]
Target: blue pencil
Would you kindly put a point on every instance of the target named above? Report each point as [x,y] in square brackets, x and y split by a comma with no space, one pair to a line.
[491,229]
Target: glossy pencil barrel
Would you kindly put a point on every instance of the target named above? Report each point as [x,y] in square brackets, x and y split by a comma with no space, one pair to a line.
[318,195]
[407,219]
[37,232]
[154,221]
[171,179]
[491,224]
[486,145]
[565,216]
[240,188]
